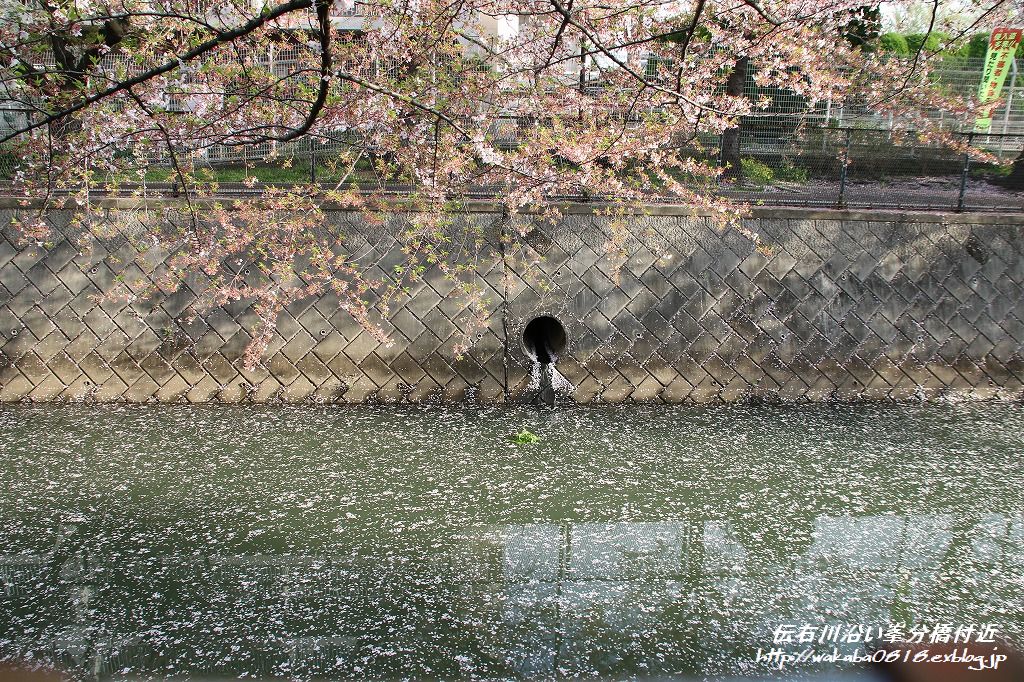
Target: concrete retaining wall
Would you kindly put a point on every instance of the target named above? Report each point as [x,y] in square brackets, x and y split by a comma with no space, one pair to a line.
[833,305]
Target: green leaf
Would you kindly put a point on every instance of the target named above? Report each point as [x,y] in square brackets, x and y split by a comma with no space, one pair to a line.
[524,437]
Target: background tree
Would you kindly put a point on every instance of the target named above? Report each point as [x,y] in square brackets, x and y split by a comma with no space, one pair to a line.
[731,161]
[864,27]
[441,100]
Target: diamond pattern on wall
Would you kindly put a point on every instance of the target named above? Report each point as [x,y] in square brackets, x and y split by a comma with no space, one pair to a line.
[824,306]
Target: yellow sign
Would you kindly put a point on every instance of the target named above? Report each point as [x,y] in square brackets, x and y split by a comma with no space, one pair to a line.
[1002,45]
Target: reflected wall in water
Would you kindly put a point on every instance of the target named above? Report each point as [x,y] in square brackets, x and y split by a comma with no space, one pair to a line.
[608,599]
[382,542]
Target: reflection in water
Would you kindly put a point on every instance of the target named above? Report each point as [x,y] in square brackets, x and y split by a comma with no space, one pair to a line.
[526,599]
[235,555]
[621,581]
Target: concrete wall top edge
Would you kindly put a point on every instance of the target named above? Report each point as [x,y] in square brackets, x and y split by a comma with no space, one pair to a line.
[666,209]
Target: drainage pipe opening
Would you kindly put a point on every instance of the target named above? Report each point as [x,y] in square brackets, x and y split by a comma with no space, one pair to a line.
[544,339]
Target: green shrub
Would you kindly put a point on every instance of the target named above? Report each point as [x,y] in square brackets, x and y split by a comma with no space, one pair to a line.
[791,173]
[894,43]
[757,173]
[991,170]
[977,46]
[7,163]
[905,45]
[931,42]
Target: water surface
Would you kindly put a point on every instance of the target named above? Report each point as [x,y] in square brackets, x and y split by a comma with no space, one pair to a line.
[419,542]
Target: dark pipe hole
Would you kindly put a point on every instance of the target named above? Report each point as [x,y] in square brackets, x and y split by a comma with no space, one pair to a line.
[544,339]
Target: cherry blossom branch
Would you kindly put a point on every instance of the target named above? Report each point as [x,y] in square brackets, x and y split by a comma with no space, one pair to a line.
[166,67]
[623,65]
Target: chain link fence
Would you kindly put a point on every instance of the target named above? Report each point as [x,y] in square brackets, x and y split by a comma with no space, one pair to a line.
[795,154]
[810,166]
[875,168]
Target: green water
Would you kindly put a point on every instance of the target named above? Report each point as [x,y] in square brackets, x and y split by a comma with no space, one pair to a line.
[370,542]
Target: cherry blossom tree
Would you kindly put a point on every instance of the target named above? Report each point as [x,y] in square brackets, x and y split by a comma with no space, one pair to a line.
[520,101]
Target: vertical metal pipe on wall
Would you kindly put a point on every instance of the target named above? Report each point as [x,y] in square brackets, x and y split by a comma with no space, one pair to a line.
[963,174]
[841,202]
[1009,106]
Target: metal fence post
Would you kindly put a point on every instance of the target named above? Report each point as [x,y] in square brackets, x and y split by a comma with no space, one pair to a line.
[963,173]
[842,169]
[1009,106]
[312,163]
